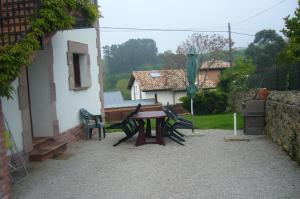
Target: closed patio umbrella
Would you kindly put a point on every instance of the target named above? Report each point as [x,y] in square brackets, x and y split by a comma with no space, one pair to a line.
[191,75]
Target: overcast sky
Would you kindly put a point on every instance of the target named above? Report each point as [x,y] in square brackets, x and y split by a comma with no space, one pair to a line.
[189,14]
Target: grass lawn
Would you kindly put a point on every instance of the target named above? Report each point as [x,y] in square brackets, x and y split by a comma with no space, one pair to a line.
[217,121]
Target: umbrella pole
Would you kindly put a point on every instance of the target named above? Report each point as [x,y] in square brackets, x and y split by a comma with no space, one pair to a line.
[192,113]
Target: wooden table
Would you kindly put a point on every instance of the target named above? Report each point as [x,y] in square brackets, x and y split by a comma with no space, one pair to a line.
[159,116]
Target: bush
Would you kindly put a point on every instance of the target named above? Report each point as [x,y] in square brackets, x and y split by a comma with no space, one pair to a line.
[207,102]
[235,79]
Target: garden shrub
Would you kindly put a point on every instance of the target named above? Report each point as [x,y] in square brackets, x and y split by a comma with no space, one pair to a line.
[207,102]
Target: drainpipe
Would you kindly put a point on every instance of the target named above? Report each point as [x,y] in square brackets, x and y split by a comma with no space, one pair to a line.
[173,97]
[155,97]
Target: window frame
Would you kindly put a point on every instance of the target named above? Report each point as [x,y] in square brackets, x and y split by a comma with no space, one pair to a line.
[81,50]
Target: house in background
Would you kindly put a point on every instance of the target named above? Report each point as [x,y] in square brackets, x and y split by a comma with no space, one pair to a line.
[168,86]
[213,70]
[62,78]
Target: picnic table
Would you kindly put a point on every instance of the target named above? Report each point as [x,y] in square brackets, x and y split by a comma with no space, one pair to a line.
[160,118]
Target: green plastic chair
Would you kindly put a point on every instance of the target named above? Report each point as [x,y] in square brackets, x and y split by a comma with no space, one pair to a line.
[129,126]
[91,122]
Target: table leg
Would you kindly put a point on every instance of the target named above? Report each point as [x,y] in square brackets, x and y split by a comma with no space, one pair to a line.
[148,128]
[159,136]
[141,137]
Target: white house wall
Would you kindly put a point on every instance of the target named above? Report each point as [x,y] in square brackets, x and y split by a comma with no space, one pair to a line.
[68,102]
[13,116]
[179,95]
[165,97]
[39,90]
[136,91]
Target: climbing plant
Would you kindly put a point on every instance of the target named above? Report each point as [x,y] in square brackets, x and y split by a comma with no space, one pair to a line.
[53,15]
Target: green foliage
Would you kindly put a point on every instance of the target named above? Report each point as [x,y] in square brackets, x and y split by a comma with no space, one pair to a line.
[150,67]
[235,78]
[130,55]
[53,16]
[216,121]
[207,102]
[121,85]
[172,60]
[265,49]
[292,31]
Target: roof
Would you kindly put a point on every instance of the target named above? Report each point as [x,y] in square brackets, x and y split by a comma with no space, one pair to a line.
[114,99]
[168,80]
[217,64]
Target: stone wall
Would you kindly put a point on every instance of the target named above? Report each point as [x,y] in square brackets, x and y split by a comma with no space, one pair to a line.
[282,118]
[240,97]
[72,135]
[283,121]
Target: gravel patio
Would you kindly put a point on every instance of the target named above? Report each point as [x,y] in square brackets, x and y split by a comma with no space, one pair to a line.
[207,167]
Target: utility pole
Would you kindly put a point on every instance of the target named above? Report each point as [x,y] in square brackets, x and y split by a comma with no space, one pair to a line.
[230,45]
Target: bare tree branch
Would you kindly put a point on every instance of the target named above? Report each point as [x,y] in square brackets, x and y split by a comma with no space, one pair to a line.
[208,47]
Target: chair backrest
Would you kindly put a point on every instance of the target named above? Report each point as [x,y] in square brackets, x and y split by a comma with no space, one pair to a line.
[130,126]
[172,109]
[85,114]
[170,115]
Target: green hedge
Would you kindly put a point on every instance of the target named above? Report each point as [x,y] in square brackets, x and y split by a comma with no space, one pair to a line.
[207,102]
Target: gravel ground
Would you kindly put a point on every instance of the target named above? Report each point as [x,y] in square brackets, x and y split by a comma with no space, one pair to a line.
[207,167]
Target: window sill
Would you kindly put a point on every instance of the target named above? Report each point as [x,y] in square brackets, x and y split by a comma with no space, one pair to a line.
[81,88]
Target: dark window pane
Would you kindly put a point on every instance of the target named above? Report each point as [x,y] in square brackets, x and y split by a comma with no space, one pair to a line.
[76,64]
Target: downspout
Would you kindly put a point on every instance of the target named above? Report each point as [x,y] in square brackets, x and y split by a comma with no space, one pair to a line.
[173,97]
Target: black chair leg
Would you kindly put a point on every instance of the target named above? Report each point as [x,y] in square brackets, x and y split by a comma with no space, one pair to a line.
[121,140]
[104,133]
[182,135]
[176,140]
[91,131]
[178,137]
[99,131]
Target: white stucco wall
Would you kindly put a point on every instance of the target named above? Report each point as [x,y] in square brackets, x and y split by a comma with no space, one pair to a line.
[165,97]
[39,87]
[179,95]
[13,116]
[135,91]
[68,102]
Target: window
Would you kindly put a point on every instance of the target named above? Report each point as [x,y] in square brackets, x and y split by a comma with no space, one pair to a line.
[79,66]
[155,74]
[76,64]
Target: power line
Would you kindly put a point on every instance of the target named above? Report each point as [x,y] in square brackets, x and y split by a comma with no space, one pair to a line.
[259,13]
[121,29]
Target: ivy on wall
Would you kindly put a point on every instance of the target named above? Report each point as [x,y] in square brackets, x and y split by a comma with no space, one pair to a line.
[53,15]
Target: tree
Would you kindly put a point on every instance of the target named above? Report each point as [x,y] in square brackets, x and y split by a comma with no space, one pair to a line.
[121,85]
[292,31]
[265,48]
[209,48]
[172,60]
[235,78]
[130,55]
